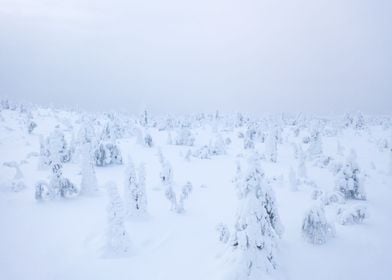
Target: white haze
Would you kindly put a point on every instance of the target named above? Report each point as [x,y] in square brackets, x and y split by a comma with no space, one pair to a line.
[184,56]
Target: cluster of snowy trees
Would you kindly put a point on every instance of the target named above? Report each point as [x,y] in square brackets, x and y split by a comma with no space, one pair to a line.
[254,238]
[216,147]
[166,176]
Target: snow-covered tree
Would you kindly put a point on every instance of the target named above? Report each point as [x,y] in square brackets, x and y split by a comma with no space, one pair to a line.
[118,242]
[271,147]
[315,145]
[202,153]
[106,154]
[224,233]
[42,191]
[352,215]
[89,184]
[31,125]
[185,137]
[217,146]
[166,176]
[256,230]
[185,192]
[53,149]
[135,191]
[110,132]
[57,146]
[349,181]
[59,186]
[86,133]
[249,139]
[44,153]
[302,173]
[144,119]
[148,140]
[315,227]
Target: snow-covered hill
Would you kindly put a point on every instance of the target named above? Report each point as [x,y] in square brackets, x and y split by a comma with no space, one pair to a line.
[67,237]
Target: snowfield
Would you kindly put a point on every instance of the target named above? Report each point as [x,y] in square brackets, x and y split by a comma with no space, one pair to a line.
[65,238]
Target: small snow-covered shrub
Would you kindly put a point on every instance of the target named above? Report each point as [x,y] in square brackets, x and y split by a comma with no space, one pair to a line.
[333,197]
[315,227]
[202,153]
[352,215]
[31,126]
[42,191]
[148,140]
[223,233]
[316,194]
[107,154]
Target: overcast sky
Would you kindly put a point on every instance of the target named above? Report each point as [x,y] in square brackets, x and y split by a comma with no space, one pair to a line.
[199,55]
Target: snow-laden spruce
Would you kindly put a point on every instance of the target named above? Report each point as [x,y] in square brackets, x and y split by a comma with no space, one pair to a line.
[135,191]
[257,226]
[89,184]
[315,227]
[118,242]
[349,181]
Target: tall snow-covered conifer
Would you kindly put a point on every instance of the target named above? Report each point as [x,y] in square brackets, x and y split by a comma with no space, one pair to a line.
[89,184]
[135,191]
[118,243]
[257,227]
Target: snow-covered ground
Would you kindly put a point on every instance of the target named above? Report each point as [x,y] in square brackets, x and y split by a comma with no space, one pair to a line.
[65,238]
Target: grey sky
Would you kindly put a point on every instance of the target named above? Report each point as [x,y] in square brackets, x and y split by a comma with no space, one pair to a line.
[180,56]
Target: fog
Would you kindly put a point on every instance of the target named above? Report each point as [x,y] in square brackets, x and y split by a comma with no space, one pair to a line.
[181,56]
